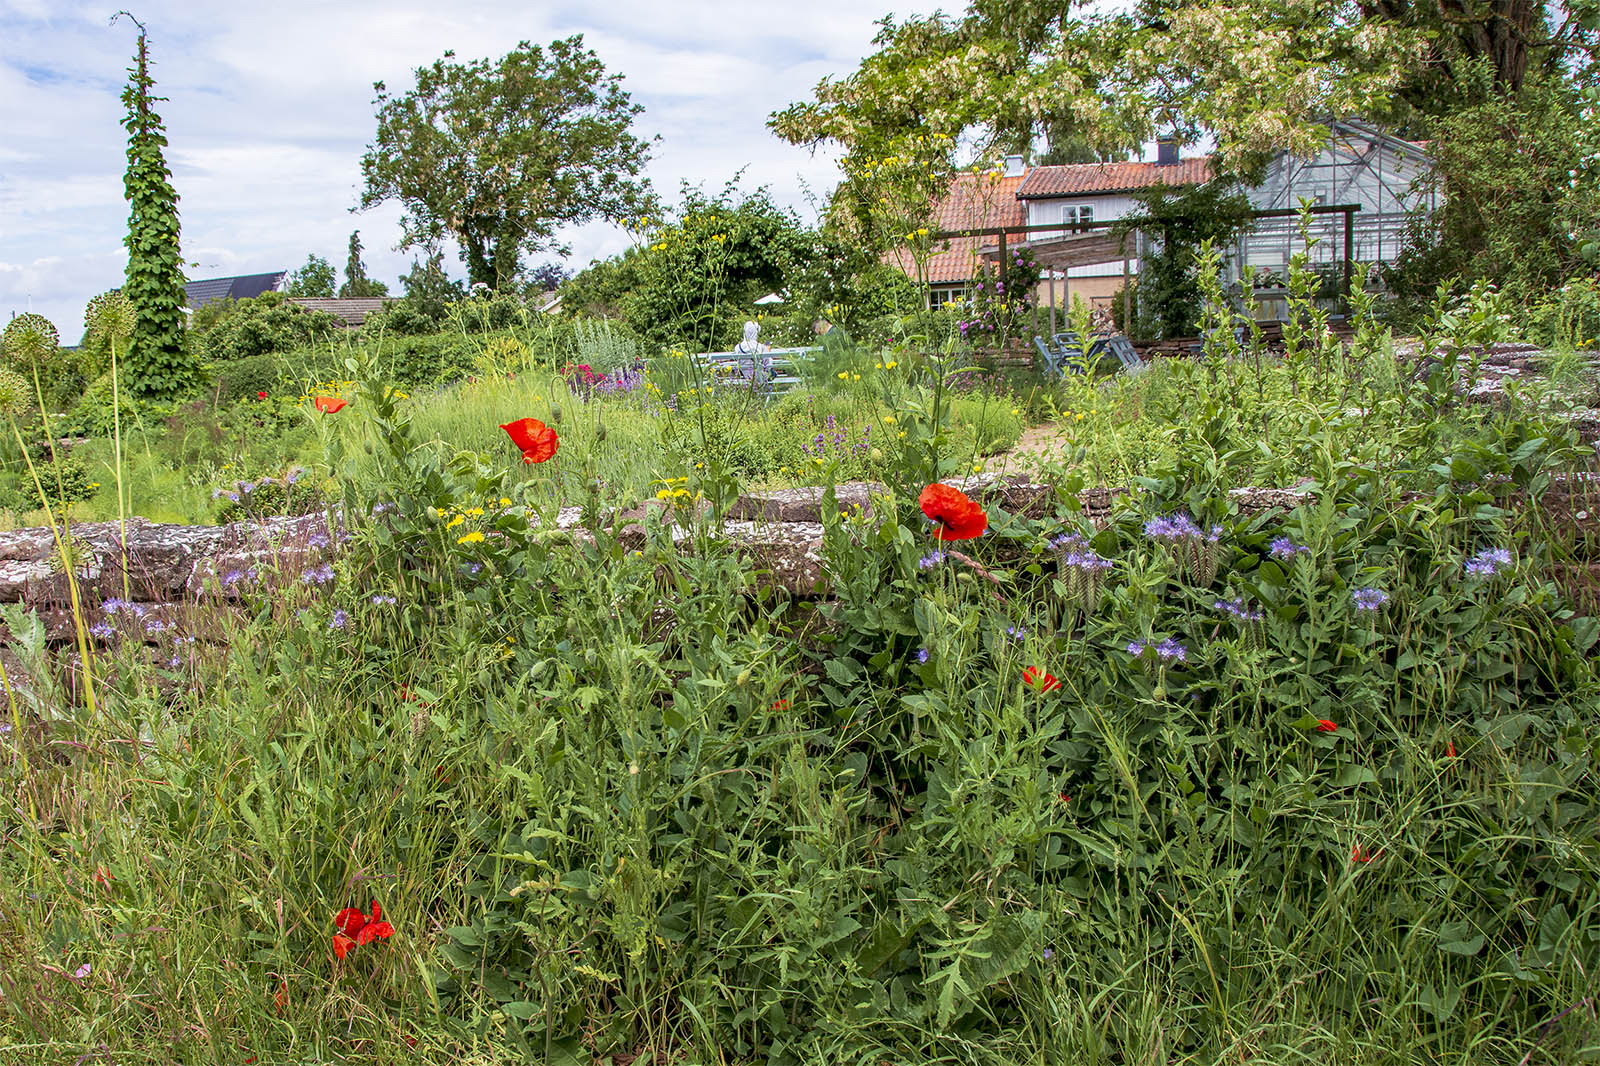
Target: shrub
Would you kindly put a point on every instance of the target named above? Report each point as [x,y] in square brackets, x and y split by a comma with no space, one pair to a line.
[263,325]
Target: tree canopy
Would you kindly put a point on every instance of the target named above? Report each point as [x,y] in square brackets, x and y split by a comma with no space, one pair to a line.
[498,155]
[1257,77]
[316,278]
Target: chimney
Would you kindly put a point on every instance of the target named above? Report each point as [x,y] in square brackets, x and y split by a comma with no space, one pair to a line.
[1167,151]
[1014,166]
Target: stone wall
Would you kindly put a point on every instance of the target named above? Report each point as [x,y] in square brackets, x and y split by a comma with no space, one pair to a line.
[780,532]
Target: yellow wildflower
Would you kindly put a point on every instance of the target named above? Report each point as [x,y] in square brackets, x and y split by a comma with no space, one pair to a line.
[475,537]
[454,522]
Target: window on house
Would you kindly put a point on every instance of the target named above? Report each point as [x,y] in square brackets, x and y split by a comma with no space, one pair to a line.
[1076,217]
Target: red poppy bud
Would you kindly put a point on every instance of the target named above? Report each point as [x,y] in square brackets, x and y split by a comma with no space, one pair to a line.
[1450,749]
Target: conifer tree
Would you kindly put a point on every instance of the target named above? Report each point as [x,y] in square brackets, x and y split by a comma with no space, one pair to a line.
[356,283]
[159,363]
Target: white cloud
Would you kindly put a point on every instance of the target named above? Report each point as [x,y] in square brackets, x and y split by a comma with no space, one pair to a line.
[270,110]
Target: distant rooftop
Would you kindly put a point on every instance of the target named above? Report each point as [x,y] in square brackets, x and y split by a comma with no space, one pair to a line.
[243,287]
[1077,179]
[351,310]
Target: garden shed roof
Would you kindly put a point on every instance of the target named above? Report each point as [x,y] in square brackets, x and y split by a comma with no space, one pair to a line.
[199,293]
[352,311]
[1079,179]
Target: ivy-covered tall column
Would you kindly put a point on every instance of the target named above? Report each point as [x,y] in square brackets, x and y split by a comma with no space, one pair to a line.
[159,364]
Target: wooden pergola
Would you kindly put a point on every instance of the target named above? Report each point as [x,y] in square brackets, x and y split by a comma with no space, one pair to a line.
[1093,243]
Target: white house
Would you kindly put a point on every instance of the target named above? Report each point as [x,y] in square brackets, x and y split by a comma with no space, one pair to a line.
[1361,165]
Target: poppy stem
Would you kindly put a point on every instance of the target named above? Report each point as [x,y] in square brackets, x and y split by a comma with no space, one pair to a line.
[977,568]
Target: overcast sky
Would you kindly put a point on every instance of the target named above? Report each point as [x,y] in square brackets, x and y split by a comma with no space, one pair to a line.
[270,109]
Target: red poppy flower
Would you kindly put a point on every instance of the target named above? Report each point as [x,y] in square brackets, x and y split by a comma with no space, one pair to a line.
[959,516]
[1325,726]
[780,705]
[537,440]
[262,395]
[328,404]
[1361,854]
[1450,749]
[356,929]
[102,877]
[1035,677]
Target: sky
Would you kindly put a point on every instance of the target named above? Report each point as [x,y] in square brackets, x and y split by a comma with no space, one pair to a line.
[270,108]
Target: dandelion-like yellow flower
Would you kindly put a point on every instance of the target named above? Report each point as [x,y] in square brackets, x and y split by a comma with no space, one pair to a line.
[475,537]
[454,522]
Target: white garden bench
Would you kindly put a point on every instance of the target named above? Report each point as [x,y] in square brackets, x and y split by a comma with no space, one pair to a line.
[771,373]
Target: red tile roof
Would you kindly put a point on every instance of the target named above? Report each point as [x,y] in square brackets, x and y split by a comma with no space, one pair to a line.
[1078,179]
[976,201]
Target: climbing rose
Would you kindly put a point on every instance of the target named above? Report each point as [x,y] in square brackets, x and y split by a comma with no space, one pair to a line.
[356,929]
[958,515]
[328,404]
[1035,677]
[537,440]
[1325,726]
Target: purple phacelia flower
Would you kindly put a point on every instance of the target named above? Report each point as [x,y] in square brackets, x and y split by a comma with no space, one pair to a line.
[1171,651]
[1241,610]
[340,619]
[1488,562]
[1284,550]
[931,560]
[1369,599]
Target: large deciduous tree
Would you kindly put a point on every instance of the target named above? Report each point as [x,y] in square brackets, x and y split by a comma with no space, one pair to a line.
[1258,77]
[498,155]
[159,364]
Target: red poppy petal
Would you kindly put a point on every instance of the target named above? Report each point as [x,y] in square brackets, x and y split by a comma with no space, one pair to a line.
[349,921]
[959,516]
[522,432]
[342,945]
[377,912]
[328,404]
[374,931]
